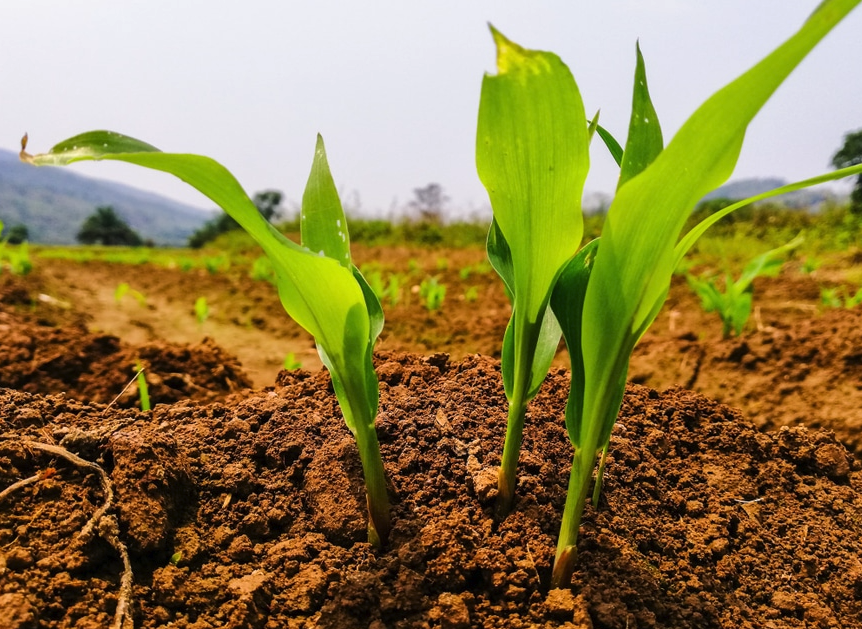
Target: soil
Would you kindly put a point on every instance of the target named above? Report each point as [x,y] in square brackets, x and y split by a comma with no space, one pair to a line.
[240,501]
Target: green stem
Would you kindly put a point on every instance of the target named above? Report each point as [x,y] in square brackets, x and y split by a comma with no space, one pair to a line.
[576,497]
[511,452]
[376,495]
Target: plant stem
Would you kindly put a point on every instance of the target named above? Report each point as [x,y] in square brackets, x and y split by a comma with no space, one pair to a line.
[376,495]
[511,452]
[576,497]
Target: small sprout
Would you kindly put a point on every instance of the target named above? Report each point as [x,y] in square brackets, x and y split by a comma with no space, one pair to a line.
[810,264]
[176,558]
[124,289]
[143,389]
[432,293]
[290,362]
[733,306]
[262,271]
[471,294]
[202,310]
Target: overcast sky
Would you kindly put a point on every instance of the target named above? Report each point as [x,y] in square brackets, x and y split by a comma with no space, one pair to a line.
[393,85]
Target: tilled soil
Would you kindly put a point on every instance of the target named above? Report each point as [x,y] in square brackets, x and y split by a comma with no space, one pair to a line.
[245,508]
[704,522]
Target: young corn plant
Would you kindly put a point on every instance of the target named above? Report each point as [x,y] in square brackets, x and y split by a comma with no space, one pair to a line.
[531,157]
[317,282]
[733,306]
[433,293]
[202,311]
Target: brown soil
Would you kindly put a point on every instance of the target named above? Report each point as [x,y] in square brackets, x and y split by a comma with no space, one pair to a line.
[711,516]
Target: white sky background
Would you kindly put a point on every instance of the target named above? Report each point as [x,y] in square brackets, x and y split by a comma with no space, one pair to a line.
[394,85]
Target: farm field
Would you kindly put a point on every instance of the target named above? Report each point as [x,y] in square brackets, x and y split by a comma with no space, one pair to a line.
[733,492]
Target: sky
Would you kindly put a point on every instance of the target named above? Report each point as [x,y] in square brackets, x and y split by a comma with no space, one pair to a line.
[393,85]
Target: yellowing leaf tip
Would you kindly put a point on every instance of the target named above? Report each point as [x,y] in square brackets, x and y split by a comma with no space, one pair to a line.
[511,56]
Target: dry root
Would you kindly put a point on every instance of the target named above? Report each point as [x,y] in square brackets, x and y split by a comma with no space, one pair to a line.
[104,525]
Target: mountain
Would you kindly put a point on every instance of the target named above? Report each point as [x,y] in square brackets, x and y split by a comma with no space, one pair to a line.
[53,204]
[810,198]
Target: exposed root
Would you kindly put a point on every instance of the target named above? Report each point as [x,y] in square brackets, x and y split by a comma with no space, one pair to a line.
[105,526]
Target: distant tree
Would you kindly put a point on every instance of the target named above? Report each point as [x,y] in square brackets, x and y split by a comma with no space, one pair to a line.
[268,203]
[428,202]
[17,234]
[104,227]
[850,155]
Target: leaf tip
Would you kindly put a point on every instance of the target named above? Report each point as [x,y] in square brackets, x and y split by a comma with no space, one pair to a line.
[24,156]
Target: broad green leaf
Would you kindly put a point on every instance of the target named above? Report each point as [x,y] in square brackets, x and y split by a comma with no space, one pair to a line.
[532,155]
[301,273]
[635,262]
[699,230]
[324,230]
[317,284]
[567,303]
[644,141]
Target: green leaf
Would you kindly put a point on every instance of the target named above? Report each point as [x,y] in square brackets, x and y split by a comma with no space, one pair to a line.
[635,262]
[325,295]
[644,142]
[567,303]
[532,155]
[324,230]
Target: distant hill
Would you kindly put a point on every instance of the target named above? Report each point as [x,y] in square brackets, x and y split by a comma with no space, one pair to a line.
[810,198]
[53,203]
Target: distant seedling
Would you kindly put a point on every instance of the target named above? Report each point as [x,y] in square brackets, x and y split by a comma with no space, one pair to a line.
[733,306]
[202,311]
[124,289]
[839,297]
[432,292]
[290,362]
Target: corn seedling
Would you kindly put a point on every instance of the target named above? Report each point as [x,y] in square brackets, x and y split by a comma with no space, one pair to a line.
[733,306]
[532,156]
[432,293]
[124,289]
[262,271]
[143,389]
[392,292]
[810,264]
[215,264]
[15,258]
[375,282]
[318,284]
[290,362]
[202,311]
[838,297]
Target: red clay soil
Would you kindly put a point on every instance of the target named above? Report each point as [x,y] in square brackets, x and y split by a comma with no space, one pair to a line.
[245,508]
[704,522]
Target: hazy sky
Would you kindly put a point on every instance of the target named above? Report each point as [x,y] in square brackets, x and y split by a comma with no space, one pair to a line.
[393,86]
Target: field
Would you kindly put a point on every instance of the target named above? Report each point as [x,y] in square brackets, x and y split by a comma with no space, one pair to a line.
[733,493]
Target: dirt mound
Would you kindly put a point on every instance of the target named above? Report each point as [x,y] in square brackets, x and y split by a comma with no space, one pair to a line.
[705,522]
[798,367]
[40,358]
